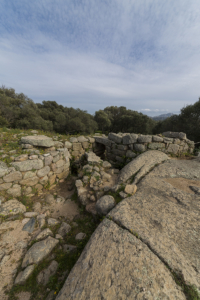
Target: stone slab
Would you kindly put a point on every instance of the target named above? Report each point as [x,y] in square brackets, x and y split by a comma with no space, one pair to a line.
[39,140]
[116,265]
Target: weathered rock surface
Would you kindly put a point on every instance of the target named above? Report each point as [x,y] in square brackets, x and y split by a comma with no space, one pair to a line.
[39,140]
[105,204]
[141,165]
[167,218]
[124,268]
[28,165]
[44,275]
[39,251]
[24,275]
[12,207]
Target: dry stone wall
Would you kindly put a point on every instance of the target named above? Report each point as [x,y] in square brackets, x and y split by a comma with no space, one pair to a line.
[123,147]
[47,161]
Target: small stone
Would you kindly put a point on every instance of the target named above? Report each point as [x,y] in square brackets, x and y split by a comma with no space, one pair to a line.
[59,237]
[69,248]
[44,275]
[105,204]
[52,222]
[80,236]
[60,199]
[21,245]
[123,195]
[15,191]
[130,189]
[13,207]
[22,157]
[39,251]
[78,183]
[64,229]
[24,221]
[37,207]
[41,222]
[4,260]
[106,164]
[29,226]
[46,232]
[30,214]
[24,275]
[49,199]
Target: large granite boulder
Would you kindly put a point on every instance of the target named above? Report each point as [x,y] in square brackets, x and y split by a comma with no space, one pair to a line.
[145,243]
[141,165]
[117,265]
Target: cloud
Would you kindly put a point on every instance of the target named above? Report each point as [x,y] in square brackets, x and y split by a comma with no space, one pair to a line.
[91,55]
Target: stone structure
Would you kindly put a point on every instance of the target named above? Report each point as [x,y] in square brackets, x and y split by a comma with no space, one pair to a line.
[123,147]
[32,171]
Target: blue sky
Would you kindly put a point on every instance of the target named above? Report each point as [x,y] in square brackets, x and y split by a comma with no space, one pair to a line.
[89,54]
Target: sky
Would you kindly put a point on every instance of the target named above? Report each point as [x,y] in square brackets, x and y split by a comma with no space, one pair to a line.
[90,54]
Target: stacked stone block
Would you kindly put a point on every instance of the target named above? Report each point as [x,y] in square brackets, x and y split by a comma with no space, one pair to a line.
[124,147]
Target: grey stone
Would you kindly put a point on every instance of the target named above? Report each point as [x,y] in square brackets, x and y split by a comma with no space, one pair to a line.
[29,174]
[141,165]
[115,137]
[15,190]
[44,275]
[28,165]
[68,145]
[39,251]
[130,189]
[50,199]
[30,181]
[3,170]
[156,146]
[130,154]
[92,158]
[178,135]
[156,138]
[144,138]
[105,204]
[130,138]
[14,176]
[39,140]
[69,248]
[43,172]
[43,234]
[12,207]
[30,214]
[73,140]
[24,275]
[48,160]
[64,229]
[5,186]
[173,148]
[51,296]
[106,164]
[116,265]
[103,140]
[123,195]
[77,146]
[52,222]
[139,147]
[82,139]
[168,140]
[80,236]
[29,226]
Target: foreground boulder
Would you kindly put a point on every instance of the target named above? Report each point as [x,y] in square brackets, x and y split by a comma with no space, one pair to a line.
[146,243]
[117,265]
[141,165]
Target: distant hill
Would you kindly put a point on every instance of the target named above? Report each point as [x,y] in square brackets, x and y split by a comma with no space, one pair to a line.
[162,117]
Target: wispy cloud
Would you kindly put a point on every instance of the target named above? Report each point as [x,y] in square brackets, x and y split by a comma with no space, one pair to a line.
[92,54]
